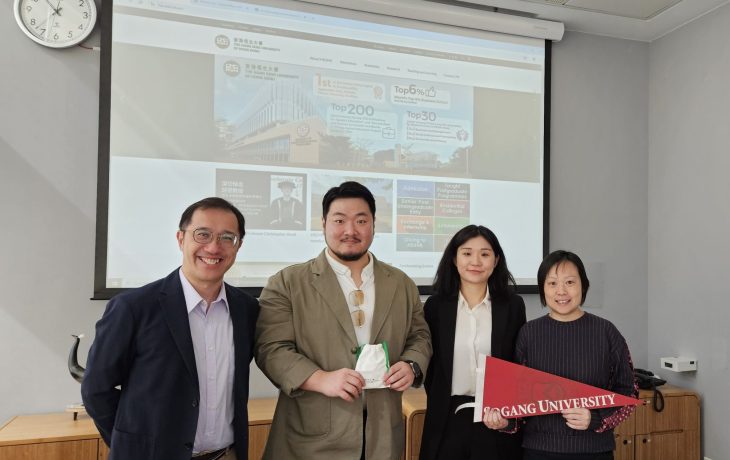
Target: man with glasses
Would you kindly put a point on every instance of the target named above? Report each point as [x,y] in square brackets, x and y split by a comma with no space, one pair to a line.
[315,317]
[180,349]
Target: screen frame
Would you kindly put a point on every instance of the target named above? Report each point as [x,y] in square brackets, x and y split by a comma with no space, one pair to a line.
[102,292]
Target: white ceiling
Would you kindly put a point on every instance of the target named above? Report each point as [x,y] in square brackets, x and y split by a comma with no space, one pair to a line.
[644,20]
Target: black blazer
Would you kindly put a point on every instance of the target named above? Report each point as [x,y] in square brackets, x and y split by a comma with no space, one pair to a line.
[143,343]
[508,316]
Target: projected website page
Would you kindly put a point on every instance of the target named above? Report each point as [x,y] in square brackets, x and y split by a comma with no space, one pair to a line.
[270,106]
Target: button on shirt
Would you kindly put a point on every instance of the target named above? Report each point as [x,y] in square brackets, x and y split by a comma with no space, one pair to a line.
[212,333]
[344,277]
[473,335]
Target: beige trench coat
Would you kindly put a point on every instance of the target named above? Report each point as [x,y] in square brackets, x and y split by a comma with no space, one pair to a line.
[305,325]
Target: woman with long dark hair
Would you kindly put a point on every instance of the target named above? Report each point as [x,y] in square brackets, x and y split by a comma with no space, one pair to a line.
[474,310]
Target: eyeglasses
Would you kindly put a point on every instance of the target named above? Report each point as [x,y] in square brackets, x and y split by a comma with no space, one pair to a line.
[205,236]
[357,298]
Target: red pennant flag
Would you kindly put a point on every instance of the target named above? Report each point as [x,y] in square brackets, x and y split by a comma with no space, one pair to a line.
[518,391]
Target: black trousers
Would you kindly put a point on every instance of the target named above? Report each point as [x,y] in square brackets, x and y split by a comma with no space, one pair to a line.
[542,455]
[364,421]
[465,440]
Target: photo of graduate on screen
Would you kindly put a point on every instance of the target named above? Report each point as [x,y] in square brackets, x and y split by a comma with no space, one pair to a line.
[287,210]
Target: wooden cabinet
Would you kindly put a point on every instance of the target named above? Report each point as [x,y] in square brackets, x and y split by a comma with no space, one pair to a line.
[624,434]
[51,437]
[260,415]
[673,433]
[414,412]
[60,437]
[103,450]
[624,447]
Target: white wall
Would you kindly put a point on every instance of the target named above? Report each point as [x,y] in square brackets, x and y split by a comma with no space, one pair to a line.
[689,213]
[48,132]
[48,160]
[598,170]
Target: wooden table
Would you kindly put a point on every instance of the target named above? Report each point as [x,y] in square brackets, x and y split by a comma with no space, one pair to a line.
[59,437]
[51,436]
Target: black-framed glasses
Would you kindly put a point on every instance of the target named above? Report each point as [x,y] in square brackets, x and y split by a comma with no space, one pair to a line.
[357,298]
[205,236]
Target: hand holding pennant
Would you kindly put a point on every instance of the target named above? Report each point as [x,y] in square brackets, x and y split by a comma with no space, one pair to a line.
[518,391]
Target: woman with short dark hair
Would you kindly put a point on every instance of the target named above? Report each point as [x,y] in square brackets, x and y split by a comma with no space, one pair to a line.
[473,311]
[571,343]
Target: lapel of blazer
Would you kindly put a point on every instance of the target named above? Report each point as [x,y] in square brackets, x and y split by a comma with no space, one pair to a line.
[324,281]
[172,302]
[385,287]
[241,340]
[499,323]
[447,323]
[238,320]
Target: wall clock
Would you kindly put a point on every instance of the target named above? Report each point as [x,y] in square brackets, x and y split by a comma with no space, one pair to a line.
[56,23]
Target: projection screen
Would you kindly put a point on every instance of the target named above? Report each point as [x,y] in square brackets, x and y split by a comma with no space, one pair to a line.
[270,103]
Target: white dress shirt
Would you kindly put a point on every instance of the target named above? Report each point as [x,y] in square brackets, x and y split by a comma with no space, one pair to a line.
[344,277]
[212,333]
[473,335]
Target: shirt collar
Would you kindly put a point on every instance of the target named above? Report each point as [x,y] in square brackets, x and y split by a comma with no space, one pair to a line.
[485,301]
[193,299]
[343,270]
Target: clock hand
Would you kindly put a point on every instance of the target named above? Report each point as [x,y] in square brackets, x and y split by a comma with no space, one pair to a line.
[55,11]
[41,24]
[49,21]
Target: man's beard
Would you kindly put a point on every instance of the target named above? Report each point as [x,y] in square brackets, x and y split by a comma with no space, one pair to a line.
[348,257]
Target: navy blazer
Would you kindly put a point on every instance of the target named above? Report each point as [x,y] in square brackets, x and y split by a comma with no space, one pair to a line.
[508,316]
[143,344]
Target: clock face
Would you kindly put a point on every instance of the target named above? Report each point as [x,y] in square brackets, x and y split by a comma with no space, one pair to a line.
[56,23]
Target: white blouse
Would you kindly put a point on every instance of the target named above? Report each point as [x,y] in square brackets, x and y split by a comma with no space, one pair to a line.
[473,335]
